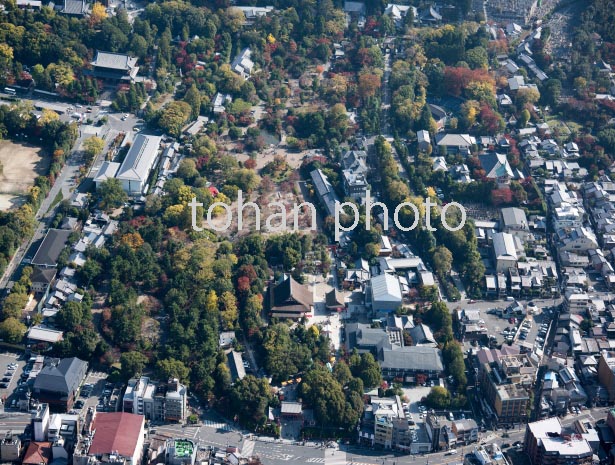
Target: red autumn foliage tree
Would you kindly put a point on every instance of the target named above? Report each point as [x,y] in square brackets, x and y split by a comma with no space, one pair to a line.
[457,79]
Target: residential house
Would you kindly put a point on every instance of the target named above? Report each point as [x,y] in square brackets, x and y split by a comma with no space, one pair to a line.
[424,141]
[504,252]
[354,174]
[455,143]
[514,221]
[242,64]
[220,101]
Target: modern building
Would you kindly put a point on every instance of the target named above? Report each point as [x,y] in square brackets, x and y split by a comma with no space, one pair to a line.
[546,443]
[49,251]
[385,421]
[138,164]
[58,383]
[114,66]
[156,401]
[10,448]
[41,279]
[181,452]
[505,385]
[606,373]
[440,432]
[289,299]
[354,173]
[466,431]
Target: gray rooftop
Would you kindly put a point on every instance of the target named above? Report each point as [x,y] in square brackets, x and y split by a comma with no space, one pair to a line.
[414,358]
[63,378]
[514,217]
[140,158]
[51,247]
[117,61]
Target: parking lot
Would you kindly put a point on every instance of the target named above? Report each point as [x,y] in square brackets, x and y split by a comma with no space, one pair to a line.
[505,330]
[97,381]
[7,388]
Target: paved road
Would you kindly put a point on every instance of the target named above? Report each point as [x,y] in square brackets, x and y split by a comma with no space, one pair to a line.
[216,432]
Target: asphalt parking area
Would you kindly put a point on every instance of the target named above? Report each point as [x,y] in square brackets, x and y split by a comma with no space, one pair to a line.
[7,358]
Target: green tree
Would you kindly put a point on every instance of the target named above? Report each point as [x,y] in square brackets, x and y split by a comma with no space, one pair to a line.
[14,305]
[442,260]
[111,194]
[174,117]
[133,364]
[93,146]
[171,368]
[367,369]
[439,398]
[12,330]
[250,398]
[70,316]
[331,406]
[193,98]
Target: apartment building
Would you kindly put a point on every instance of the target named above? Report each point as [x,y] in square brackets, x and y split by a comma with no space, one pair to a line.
[606,373]
[505,385]
[547,443]
[156,401]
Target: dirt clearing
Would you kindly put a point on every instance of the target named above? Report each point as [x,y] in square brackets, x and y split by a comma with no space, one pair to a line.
[21,164]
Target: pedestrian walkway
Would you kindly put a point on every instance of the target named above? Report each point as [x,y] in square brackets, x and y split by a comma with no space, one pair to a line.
[248,448]
[335,457]
[217,425]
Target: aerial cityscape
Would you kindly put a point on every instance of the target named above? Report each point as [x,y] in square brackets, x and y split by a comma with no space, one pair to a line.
[332,232]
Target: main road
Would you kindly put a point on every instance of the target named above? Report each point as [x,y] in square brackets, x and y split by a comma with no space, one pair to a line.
[277,452]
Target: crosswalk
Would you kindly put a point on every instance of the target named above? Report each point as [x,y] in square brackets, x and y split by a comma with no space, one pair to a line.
[247,448]
[332,460]
[217,425]
[336,457]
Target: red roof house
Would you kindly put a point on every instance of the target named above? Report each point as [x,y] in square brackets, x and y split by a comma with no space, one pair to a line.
[38,453]
[118,433]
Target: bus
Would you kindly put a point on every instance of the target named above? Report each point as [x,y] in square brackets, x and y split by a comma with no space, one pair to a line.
[9,91]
